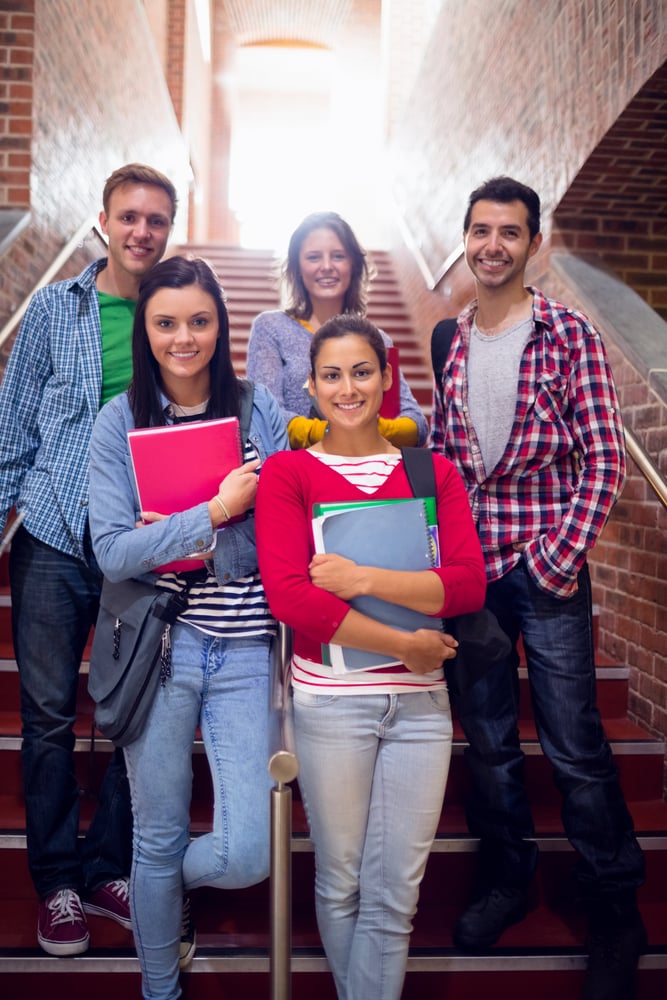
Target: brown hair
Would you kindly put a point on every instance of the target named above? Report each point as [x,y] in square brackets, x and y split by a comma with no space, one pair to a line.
[139,173]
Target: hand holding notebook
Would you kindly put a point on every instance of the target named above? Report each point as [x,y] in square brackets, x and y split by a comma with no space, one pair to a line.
[392,535]
[181,465]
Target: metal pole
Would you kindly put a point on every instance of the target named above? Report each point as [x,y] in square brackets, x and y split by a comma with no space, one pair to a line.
[281,892]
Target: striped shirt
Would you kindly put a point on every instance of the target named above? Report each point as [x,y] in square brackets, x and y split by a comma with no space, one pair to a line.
[368,474]
[236,609]
[564,463]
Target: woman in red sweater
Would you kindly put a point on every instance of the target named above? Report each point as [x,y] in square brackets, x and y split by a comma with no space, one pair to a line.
[373,745]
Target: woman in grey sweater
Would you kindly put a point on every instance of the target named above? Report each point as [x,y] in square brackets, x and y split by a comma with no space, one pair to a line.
[324,274]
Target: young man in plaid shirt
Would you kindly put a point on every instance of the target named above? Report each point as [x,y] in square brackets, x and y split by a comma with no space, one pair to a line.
[529,415]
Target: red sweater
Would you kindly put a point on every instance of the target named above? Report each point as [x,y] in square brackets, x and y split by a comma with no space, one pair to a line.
[290,483]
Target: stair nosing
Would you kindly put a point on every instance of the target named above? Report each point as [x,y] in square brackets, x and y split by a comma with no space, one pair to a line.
[305,960]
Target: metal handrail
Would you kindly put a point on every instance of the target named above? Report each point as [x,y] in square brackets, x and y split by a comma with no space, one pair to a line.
[431,280]
[646,466]
[74,242]
[283,768]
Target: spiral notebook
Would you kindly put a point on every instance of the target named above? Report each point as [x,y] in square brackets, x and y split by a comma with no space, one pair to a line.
[181,465]
[389,534]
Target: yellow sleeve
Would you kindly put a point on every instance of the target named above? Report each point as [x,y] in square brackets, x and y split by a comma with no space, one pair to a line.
[302,431]
[401,431]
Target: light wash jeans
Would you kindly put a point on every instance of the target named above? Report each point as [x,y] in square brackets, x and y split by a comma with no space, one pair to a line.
[222,686]
[372,772]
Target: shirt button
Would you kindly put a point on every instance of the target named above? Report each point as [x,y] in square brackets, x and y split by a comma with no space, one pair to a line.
[200,543]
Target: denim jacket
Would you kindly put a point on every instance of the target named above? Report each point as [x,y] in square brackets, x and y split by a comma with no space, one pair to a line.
[122,550]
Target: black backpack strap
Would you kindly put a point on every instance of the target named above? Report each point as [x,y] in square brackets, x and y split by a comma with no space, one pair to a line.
[441,341]
[418,465]
[247,393]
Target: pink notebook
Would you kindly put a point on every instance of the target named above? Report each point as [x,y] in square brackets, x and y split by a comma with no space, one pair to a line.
[178,466]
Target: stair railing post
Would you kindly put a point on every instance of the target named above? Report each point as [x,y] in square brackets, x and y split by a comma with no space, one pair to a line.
[283,768]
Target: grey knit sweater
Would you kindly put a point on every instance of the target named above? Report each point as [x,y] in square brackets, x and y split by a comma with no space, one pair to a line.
[278,357]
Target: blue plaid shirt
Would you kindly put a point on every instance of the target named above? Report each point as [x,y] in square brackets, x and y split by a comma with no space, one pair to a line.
[49,398]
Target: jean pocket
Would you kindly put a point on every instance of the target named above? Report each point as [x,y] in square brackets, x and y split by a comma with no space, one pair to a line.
[307,699]
[440,700]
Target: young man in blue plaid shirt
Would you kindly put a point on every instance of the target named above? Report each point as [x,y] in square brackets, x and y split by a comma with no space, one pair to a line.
[529,415]
[72,353]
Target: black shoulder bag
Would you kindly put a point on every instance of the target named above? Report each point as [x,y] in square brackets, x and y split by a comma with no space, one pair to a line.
[131,653]
[482,642]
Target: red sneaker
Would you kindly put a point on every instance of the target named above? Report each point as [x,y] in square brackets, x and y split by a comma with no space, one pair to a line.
[62,927]
[111,900]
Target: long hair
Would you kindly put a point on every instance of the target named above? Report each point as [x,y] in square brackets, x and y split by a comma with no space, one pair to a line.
[297,299]
[144,390]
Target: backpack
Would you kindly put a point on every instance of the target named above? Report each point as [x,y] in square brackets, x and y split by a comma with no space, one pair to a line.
[441,341]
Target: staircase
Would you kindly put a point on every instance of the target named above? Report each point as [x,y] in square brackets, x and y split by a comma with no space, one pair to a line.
[541,958]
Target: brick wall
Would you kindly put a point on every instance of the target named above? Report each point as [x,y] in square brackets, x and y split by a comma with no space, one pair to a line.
[16,89]
[629,563]
[532,95]
[94,108]
[616,206]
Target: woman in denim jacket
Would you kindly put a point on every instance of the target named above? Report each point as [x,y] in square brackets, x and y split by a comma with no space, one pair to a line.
[220,645]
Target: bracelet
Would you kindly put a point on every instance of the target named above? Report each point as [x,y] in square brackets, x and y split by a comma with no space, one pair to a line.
[218,500]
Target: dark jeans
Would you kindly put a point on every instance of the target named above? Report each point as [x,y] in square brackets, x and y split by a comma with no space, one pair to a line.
[54,602]
[558,642]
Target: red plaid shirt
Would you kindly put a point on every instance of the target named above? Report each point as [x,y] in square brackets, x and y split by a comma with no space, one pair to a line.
[564,463]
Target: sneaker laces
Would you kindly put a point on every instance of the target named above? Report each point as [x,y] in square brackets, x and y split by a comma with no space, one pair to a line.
[65,907]
[120,889]
[186,920]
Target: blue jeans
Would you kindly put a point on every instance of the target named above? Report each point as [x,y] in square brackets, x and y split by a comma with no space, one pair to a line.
[54,603]
[558,642]
[372,773]
[221,685]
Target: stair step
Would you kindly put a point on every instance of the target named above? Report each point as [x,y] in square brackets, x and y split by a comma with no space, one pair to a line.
[233,941]
[229,979]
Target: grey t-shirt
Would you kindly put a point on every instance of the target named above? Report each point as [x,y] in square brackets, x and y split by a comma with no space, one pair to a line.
[493,377]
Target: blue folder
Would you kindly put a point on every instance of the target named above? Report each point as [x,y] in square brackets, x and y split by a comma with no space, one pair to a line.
[387,535]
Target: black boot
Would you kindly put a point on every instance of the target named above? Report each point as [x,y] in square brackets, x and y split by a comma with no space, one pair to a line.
[617,937]
[488,916]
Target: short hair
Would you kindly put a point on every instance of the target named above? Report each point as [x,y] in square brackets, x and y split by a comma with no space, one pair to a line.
[298,302]
[139,173]
[144,389]
[341,326]
[505,190]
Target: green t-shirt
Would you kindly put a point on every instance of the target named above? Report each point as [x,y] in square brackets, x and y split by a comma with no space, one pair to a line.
[116,317]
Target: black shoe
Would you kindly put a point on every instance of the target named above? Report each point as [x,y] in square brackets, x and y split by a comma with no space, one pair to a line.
[485,920]
[614,947]
[188,942]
